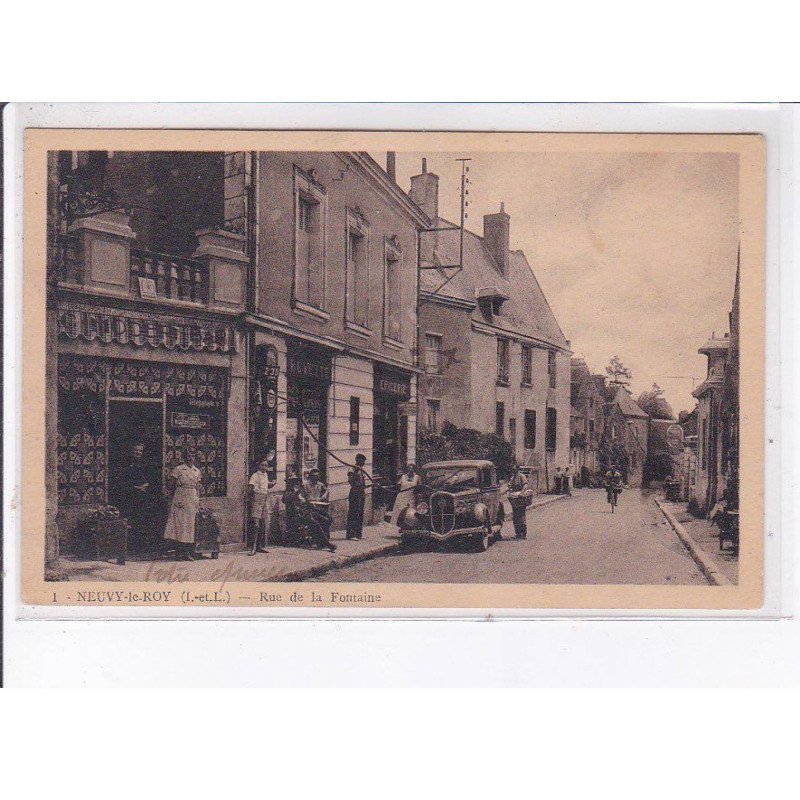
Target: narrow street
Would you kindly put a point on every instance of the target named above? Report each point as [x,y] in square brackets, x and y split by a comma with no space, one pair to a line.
[575,540]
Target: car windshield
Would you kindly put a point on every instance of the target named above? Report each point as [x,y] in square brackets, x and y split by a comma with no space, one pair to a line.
[454,479]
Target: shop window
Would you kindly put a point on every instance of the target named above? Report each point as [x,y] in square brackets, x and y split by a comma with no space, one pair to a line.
[355,417]
[503,349]
[551,368]
[308,374]
[527,365]
[550,432]
[309,266]
[106,405]
[530,429]
[357,288]
[433,354]
[392,291]
[500,419]
[433,410]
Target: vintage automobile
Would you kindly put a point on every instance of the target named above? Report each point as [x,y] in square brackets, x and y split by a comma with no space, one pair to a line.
[455,499]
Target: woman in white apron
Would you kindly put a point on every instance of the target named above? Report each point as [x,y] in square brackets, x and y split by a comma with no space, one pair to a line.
[405,494]
[185,479]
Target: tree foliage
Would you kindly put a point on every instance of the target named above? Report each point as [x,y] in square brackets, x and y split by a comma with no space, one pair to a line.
[619,374]
[454,443]
[654,403]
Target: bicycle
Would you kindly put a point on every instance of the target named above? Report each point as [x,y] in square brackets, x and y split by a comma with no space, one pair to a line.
[613,498]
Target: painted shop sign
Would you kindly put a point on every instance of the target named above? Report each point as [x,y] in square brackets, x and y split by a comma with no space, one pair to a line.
[393,383]
[197,422]
[309,367]
[170,332]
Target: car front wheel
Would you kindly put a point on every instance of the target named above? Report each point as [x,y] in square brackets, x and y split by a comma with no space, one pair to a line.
[483,538]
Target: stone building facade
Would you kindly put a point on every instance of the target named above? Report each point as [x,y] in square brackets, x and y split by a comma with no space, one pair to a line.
[588,422]
[230,303]
[145,347]
[493,355]
[335,311]
[627,427]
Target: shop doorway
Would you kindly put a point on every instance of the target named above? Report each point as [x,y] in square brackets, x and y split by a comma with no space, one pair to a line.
[386,460]
[131,423]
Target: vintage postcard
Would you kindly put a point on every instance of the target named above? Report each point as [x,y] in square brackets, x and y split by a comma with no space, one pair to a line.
[377,370]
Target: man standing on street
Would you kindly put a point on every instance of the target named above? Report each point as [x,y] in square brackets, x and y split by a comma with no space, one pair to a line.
[259,487]
[558,486]
[358,490]
[136,498]
[519,497]
[565,481]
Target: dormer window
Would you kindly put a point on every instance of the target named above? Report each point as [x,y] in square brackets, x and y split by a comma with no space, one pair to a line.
[490,301]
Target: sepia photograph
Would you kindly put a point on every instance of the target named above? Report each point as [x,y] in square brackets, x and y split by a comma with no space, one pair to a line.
[515,364]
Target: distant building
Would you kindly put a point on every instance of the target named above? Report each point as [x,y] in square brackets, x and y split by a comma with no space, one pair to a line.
[626,436]
[718,416]
[709,397]
[493,354]
[587,421]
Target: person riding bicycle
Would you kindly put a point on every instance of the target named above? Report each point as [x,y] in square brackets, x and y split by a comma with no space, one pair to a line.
[612,482]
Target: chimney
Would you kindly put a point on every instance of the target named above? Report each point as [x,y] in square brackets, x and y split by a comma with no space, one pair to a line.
[391,166]
[425,191]
[496,228]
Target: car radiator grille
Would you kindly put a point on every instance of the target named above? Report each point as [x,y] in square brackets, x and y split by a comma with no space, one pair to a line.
[443,512]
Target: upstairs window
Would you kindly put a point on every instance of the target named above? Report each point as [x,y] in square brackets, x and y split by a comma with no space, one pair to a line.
[433,354]
[309,261]
[392,290]
[551,368]
[502,360]
[357,289]
[527,365]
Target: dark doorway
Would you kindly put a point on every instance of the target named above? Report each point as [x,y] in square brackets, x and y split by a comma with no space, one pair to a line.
[385,449]
[132,423]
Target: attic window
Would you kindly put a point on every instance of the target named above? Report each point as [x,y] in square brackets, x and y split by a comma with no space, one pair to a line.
[490,300]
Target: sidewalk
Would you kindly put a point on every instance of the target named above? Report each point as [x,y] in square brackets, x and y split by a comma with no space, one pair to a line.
[279,564]
[701,537]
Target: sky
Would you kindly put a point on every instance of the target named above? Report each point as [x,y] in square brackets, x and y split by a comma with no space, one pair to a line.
[636,252]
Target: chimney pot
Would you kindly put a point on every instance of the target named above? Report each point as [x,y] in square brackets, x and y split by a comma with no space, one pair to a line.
[496,237]
[424,165]
[391,165]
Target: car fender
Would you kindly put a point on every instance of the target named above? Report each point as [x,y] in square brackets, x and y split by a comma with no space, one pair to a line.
[481,511]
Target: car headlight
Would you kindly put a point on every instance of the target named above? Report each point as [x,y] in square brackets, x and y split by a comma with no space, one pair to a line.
[461,507]
[422,508]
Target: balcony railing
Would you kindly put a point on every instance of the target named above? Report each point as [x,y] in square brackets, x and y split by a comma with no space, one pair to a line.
[175,277]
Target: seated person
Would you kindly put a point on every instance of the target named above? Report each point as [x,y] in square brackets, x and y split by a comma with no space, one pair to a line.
[320,521]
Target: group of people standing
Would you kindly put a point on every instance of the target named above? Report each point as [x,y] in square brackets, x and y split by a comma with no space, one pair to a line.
[305,502]
[562,481]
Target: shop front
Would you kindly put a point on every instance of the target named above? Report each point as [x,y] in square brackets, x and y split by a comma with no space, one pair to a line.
[134,392]
[108,409]
[390,438]
[308,381]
